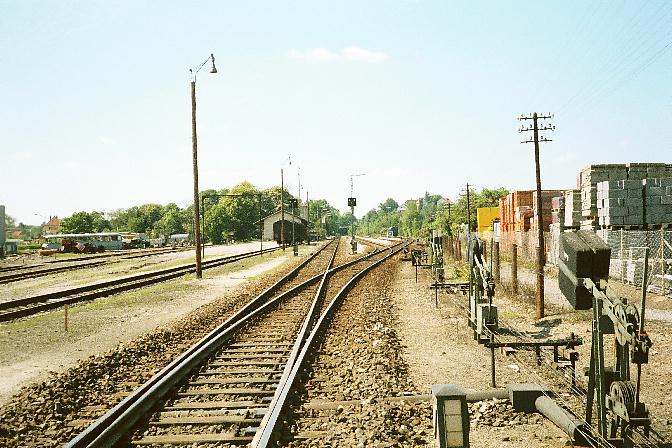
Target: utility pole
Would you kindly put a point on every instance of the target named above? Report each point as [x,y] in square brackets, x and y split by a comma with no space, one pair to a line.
[539,302]
[282,209]
[468,213]
[282,202]
[194,159]
[294,203]
[307,219]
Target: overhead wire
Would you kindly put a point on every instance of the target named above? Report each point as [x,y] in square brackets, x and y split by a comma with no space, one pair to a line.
[619,62]
[565,43]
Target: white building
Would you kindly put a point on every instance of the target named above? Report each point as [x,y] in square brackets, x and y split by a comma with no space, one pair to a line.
[276,217]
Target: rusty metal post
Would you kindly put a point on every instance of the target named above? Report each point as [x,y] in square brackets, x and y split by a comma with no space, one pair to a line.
[261,229]
[194,155]
[495,256]
[493,381]
[282,208]
[514,268]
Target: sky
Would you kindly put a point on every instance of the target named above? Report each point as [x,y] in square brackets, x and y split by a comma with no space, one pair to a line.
[418,96]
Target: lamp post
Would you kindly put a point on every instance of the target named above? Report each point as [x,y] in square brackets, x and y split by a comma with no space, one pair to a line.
[194,155]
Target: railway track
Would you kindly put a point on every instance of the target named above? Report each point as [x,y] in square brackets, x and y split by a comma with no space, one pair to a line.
[14,309]
[231,387]
[372,243]
[26,272]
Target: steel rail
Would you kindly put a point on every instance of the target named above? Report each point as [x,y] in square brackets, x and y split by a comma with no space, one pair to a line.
[263,437]
[15,308]
[80,263]
[115,423]
[108,254]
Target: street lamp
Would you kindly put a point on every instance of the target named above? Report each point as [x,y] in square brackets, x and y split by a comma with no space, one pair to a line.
[194,153]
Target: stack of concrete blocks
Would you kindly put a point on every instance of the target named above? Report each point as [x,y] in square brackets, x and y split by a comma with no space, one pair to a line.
[572,209]
[587,182]
[558,210]
[620,203]
[553,244]
[658,200]
[591,175]
[546,209]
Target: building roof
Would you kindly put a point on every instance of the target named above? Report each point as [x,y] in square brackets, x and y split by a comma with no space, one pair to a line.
[17,234]
[278,213]
[53,222]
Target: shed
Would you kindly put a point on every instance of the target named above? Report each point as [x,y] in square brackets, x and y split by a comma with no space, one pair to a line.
[277,217]
[12,246]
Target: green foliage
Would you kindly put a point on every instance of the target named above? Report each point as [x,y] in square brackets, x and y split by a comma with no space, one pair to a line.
[9,221]
[323,217]
[450,219]
[432,211]
[377,221]
[85,222]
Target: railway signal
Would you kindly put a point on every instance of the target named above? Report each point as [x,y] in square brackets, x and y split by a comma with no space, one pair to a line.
[352,203]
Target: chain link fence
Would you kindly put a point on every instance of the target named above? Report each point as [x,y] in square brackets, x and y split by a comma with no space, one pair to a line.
[627,253]
[627,257]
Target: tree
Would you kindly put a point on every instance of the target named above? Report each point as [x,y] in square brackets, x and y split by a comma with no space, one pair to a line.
[170,223]
[9,221]
[458,210]
[80,222]
[99,222]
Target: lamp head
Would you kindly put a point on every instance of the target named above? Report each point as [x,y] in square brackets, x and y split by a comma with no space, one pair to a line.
[213,69]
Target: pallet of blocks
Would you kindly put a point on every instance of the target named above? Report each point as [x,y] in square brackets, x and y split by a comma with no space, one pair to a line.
[572,209]
[657,201]
[620,203]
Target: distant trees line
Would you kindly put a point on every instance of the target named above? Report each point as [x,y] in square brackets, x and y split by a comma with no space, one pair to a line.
[418,216]
[231,213]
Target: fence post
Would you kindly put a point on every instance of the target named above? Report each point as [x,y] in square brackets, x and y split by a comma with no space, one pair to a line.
[622,260]
[514,268]
[495,257]
[662,261]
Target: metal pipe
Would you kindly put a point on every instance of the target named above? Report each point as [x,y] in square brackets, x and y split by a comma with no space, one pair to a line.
[572,426]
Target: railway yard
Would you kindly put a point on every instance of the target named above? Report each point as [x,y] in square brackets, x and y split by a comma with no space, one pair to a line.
[329,348]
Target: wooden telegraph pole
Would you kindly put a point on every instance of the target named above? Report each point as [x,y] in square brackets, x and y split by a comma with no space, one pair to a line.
[539,302]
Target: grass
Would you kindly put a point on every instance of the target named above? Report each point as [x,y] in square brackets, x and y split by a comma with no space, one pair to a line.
[147,295]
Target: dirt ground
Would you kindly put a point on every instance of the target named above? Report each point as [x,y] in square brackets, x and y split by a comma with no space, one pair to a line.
[440,349]
[115,269]
[33,347]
